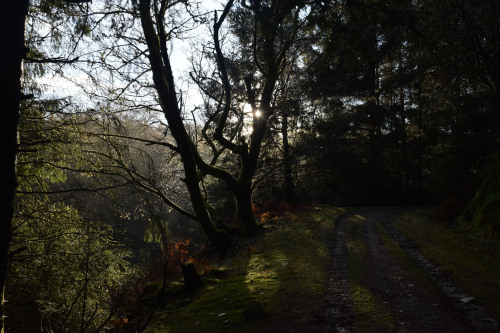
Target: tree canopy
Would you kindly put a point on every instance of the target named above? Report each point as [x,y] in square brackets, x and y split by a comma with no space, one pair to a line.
[133,125]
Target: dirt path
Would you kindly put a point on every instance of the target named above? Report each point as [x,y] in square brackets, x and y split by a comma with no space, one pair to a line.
[407,299]
[338,316]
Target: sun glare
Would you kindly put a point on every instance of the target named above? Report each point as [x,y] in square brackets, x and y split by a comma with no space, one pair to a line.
[247,109]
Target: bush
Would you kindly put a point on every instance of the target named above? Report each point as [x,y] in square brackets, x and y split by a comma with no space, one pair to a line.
[483,211]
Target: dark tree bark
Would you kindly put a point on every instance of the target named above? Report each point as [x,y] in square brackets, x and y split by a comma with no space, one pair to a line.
[192,280]
[164,84]
[13,16]
[287,162]
[268,20]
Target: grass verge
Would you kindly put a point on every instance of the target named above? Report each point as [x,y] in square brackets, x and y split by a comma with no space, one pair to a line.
[266,280]
[473,263]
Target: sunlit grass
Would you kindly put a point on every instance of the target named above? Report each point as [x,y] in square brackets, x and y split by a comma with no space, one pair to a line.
[371,316]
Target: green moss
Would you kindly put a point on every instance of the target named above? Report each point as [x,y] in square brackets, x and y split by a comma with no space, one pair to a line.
[248,290]
[371,314]
[472,263]
[291,257]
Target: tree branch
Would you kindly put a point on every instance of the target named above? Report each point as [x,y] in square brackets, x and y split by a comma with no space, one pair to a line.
[78,1]
[218,135]
[51,60]
[147,142]
[104,188]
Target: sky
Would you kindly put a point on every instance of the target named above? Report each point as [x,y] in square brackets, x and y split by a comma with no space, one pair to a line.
[57,86]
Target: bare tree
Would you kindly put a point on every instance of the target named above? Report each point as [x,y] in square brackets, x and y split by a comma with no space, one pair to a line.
[269,57]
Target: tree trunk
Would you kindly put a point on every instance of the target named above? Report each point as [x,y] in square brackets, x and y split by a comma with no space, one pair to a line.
[192,280]
[405,163]
[165,86]
[375,121]
[288,181]
[219,238]
[244,211]
[244,192]
[13,22]
[420,149]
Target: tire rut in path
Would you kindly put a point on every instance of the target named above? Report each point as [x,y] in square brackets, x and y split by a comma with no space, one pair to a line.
[337,312]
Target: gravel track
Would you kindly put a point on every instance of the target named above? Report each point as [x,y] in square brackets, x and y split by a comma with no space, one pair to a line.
[414,306]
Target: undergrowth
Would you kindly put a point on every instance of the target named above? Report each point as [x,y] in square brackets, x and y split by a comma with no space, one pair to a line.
[483,211]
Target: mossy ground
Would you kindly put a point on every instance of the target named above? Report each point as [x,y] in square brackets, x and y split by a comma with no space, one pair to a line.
[472,262]
[403,259]
[253,288]
[278,279]
[370,314]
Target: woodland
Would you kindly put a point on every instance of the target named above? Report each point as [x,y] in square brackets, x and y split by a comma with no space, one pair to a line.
[138,133]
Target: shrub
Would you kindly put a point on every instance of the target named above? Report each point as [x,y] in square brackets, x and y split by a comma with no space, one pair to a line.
[483,211]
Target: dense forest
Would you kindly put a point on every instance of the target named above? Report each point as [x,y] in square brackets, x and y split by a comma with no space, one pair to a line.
[138,132]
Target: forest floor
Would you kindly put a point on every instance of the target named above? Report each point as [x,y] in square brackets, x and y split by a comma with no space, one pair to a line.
[346,270]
